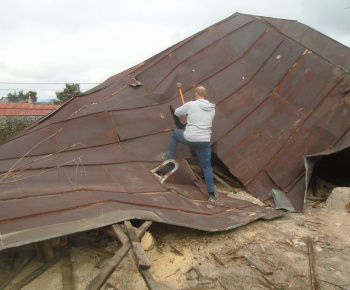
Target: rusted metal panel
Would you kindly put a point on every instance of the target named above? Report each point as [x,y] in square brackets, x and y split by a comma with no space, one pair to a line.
[331,119]
[242,102]
[261,185]
[155,146]
[294,195]
[51,203]
[264,47]
[88,131]
[141,122]
[330,49]
[56,223]
[214,33]
[37,143]
[89,163]
[307,90]
[277,118]
[279,63]
[287,167]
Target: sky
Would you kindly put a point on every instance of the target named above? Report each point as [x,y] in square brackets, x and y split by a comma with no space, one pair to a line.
[48,43]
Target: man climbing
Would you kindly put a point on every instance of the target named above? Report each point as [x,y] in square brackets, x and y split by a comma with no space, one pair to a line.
[197,134]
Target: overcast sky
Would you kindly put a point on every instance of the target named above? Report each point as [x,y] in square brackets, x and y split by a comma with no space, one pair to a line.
[85,41]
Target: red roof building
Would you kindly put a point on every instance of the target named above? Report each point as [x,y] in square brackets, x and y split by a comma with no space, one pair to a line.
[26,109]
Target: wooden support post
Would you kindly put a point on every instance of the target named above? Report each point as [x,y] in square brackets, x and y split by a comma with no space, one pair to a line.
[66,268]
[114,262]
[47,250]
[146,274]
[140,256]
[44,251]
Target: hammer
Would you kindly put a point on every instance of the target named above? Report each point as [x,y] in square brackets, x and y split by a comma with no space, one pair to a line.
[179,85]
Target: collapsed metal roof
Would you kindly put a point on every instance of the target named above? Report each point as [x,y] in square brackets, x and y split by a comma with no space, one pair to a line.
[281,91]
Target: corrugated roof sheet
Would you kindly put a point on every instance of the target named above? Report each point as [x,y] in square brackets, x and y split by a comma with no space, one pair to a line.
[279,97]
[26,109]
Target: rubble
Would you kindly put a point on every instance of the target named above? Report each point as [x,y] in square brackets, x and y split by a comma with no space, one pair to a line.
[339,199]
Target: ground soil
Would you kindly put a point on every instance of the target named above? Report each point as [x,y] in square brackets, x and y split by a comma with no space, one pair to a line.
[183,258]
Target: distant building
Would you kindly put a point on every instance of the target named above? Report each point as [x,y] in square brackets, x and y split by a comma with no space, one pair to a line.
[28,112]
[26,109]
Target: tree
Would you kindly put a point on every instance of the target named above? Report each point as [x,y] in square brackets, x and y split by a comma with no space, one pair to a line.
[10,125]
[22,97]
[70,91]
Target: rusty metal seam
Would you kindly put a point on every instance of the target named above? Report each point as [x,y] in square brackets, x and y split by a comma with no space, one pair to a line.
[204,49]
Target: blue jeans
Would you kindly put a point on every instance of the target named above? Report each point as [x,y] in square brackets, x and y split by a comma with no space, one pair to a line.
[203,151]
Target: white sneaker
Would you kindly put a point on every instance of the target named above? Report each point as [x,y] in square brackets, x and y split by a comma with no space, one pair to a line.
[213,198]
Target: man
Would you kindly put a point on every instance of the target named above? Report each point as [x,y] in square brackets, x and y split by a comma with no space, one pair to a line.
[197,134]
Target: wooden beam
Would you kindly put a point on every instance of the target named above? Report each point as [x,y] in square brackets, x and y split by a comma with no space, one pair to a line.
[47,250]
[146,274]
[314,281]
[34,274]
[149,280]
[114,262]
[118,231]
[16,271]
[66,268]
[228,187]
[140,256]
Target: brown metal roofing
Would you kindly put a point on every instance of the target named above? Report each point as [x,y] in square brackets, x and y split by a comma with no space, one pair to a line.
[279,97]
[26,109]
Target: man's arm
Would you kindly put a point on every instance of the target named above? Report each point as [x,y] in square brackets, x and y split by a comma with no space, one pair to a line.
[183,110]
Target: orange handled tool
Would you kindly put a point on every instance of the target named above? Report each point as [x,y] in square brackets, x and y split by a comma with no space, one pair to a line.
[179,85]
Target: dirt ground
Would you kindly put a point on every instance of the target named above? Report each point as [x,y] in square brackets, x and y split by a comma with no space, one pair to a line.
[183,258]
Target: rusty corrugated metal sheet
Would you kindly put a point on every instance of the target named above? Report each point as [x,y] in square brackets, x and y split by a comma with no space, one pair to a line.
[88,164]
[26,109]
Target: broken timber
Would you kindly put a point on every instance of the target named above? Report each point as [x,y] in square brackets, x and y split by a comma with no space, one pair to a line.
[145,273]
[66,268]
[257,265]
[47,265]
[114,262]
[313,274]
[16,271]
[139,254]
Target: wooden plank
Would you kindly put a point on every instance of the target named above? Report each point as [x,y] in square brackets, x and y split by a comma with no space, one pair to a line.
[149,280]
[314,281]
[66,269]
[140,256]
[235,182]
[257,265]
[16,271]
[34,274]
[228,187]
[47,250]
[114,262]
[120,234]
[146,274]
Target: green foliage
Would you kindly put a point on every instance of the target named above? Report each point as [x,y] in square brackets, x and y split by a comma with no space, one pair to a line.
[10,125]
[70,91]
[20,97]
